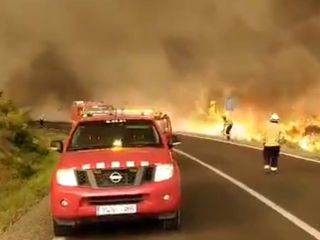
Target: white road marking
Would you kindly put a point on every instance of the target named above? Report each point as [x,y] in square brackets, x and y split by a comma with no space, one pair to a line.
[246,146]
[295,220]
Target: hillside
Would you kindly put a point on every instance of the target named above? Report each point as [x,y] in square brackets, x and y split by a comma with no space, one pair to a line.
[25,162]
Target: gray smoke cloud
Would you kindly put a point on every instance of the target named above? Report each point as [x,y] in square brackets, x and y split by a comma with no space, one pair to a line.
[47,75]
[174,54]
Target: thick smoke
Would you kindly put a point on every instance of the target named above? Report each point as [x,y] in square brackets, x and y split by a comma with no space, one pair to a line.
[47,76]
[176,54]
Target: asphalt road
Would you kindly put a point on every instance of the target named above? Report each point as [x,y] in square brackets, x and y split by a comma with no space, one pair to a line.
[213,207]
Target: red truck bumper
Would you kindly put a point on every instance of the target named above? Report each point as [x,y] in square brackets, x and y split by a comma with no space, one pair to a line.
[73,204]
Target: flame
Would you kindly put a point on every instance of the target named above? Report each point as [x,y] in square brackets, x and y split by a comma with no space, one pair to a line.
[239,131]
[250,130]
[309,143]
[304,144]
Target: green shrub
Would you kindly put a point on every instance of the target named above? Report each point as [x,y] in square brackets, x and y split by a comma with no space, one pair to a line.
[23,150]
[7,106]
[26,164]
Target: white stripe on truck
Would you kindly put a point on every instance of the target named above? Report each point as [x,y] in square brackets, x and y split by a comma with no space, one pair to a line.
[101,165]
[130,164]
[114,164]
[86,166]
[144,164]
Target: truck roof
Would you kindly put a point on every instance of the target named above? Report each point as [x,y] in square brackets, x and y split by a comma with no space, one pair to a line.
[119,114]
[113,113]
[114,117]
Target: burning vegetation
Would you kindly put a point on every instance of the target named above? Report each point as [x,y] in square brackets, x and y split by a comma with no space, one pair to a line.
[302,132]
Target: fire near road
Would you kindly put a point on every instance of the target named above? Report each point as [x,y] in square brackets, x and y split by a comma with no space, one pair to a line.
[226,195]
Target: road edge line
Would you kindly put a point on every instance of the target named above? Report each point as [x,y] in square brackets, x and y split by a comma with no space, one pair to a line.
[289,216]
[246,146]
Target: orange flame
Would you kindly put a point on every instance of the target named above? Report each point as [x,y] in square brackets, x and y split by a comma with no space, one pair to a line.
[250,130]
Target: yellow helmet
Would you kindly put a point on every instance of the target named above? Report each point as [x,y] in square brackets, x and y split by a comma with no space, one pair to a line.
[226,114]
[274,117]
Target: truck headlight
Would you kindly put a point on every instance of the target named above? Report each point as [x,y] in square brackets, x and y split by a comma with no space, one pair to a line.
[67,177]
[163,172]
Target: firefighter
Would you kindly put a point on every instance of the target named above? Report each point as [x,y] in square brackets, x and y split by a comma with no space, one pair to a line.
[227,125]
[272,139]
[42,119]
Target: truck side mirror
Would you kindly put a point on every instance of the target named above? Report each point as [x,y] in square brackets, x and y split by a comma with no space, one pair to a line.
[56,145]
[174,141]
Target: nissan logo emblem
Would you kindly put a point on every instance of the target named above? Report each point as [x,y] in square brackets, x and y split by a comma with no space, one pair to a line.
[115,177]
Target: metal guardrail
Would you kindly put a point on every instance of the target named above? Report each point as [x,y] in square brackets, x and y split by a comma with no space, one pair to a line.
[52,125]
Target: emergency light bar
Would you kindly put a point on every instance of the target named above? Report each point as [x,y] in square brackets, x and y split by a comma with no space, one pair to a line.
[147,112]
[142,112]
[97,113]
[78,102]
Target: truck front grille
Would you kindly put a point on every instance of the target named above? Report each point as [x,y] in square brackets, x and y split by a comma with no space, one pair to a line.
[104,178]
[110,200]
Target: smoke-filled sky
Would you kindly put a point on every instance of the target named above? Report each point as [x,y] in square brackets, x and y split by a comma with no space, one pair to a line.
[176,54]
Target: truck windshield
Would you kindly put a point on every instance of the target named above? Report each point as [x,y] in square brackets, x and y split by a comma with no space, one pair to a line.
[104,134]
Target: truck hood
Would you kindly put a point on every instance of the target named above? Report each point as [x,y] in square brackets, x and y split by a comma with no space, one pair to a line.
[108,158]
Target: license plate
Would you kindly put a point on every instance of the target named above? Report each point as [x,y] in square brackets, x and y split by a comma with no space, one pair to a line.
[116,209]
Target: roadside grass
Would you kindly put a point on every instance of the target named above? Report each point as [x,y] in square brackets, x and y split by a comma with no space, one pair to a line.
[18,193]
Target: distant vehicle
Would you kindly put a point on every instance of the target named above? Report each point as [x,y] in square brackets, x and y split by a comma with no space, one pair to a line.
[76,111]
[100,109]
[115,165]
[79,107]
[162,119]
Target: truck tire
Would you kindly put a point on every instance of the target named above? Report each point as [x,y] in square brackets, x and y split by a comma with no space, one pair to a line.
[172,224]
[62,230]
